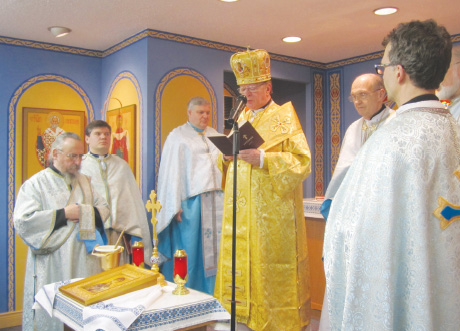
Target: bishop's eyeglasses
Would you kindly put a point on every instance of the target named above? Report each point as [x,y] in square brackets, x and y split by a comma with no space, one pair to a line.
[252,88]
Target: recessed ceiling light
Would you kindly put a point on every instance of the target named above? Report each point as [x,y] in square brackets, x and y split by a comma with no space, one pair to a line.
[229,0]
[292,39]
[59,31]
[385,11]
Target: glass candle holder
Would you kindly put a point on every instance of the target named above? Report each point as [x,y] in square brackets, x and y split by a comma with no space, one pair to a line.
[138,254]
[180,272]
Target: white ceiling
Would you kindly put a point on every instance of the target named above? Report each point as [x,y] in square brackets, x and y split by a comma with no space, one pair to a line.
[331,29]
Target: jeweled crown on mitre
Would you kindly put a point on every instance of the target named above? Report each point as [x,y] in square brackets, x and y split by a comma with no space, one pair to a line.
[251,66]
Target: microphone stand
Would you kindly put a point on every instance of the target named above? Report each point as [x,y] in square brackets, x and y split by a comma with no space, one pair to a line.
[236,149]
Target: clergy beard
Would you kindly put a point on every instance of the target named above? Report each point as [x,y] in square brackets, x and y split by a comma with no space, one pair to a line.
[447,92]
[69,178]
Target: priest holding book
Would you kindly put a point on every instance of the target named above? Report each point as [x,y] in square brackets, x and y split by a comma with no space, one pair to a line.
[272,275]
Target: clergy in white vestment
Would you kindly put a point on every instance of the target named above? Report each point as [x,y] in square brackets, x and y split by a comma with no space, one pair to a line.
[391,248]
[113,179]
[450,86]
[60,217]
[368,96]
[189,189]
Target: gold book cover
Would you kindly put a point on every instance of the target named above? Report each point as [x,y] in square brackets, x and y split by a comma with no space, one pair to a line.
[109,284]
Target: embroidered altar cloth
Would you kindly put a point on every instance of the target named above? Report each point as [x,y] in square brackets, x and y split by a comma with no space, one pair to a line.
[167,312]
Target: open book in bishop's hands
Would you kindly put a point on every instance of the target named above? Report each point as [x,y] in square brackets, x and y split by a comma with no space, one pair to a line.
[249,138]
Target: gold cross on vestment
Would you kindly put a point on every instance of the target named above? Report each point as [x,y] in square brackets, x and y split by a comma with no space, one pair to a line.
[154,206]
[446,211]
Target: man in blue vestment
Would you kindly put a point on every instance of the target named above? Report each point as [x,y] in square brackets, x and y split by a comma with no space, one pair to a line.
[189,189]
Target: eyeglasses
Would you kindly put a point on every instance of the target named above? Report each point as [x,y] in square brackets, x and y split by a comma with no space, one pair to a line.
[360,96]
[380,68]
[72,156]
[251,89]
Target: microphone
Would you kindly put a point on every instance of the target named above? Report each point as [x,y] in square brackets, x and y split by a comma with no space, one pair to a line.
[240,104]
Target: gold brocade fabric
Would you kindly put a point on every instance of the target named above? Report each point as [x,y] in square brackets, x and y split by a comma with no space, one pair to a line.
[272,276]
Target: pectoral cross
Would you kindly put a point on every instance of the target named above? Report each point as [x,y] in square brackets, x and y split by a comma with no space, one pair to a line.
[446,211]
[153,206]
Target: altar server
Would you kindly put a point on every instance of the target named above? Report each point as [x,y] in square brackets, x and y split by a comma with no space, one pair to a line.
[113,179]
[189,189]
[391,248]
[60,217]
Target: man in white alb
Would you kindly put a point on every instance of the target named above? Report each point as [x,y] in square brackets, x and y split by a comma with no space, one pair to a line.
[391,248]
[60,216]
[189,189]
[368,95]
[113,179]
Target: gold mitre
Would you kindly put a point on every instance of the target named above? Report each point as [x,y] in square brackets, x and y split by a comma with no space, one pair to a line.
[251,66]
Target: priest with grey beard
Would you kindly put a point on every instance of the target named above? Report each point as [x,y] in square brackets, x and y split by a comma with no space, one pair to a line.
[60,217]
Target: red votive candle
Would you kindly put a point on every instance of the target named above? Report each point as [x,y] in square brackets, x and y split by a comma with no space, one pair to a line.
[138,253]
[180,263]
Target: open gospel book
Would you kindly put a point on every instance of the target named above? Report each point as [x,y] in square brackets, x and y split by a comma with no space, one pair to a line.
[249,138]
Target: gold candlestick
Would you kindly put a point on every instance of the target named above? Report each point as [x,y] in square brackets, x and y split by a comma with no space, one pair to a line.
[180,272]
[155,206]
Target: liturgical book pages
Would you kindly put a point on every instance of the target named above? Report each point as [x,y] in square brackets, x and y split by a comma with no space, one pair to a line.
[249,138]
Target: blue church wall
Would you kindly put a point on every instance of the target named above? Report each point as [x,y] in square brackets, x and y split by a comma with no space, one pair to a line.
[19,64]
[149,59]
[165,55]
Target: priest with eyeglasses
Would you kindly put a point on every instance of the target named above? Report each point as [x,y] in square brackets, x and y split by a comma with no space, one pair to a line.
[368,96]
[60,217]
[391,245]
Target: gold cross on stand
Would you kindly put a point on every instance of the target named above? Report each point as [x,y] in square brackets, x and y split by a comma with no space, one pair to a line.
[154,206]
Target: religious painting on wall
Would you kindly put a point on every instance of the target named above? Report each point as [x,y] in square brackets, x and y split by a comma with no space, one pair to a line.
[41,128]
[123,123]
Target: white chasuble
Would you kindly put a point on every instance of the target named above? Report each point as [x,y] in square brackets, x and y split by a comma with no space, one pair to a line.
[113,179]
[454,108]
[355,137]
[389,262]
[54,255]
[188,169]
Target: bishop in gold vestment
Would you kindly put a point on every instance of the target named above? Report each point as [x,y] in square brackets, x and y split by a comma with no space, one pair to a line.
[272,276]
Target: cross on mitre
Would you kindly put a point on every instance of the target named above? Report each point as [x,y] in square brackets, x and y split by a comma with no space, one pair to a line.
[154,206]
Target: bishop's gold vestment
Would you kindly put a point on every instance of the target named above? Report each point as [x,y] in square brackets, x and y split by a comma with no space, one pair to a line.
[272,276]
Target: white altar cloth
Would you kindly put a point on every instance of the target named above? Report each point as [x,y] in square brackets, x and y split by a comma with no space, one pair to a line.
[311,207]
[168,312]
